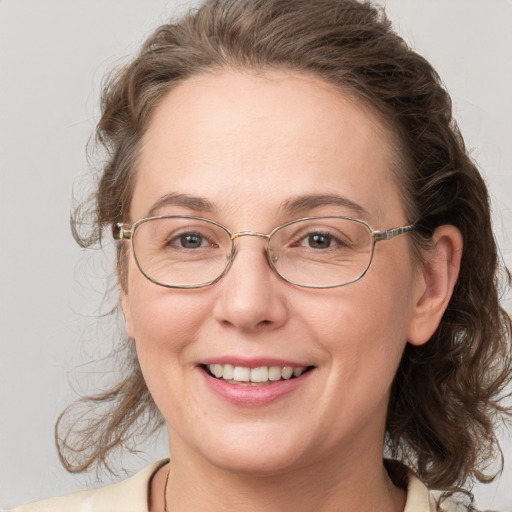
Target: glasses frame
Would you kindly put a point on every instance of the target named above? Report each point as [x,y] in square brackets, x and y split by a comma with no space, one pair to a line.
[122,231]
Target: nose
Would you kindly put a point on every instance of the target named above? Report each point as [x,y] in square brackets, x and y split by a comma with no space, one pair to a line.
[252,296]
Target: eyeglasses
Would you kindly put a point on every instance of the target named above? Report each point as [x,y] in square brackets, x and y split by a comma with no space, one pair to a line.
[183,251]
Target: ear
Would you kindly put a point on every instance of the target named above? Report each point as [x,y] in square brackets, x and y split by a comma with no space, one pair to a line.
[436,280]
[124,300]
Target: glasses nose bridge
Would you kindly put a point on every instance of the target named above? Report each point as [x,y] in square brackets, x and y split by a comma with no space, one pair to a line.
[239,234]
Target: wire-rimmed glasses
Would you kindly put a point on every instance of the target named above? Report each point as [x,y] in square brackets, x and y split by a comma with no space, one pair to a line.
[185,251]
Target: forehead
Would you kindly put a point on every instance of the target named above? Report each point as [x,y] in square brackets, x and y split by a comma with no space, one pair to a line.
[242,139]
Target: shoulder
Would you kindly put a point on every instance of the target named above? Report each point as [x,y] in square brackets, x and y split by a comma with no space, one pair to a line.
[418,496]
[130,495]
[420,499]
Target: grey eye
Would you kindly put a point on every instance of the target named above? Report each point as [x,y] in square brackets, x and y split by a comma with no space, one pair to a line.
[191,240]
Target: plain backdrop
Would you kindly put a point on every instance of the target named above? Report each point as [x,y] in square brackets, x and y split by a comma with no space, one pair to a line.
[53,54]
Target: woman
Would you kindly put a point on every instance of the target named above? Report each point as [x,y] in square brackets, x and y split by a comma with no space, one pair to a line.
[306,270]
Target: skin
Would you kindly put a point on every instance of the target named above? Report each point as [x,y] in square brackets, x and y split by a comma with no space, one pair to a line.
[248,143]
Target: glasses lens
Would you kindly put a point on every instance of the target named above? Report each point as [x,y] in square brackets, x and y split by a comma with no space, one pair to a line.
[176,251]
[321,252]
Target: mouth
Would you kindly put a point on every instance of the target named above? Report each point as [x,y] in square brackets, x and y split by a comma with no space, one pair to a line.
[262,375]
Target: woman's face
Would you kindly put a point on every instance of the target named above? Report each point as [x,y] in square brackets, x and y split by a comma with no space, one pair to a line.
[241,148]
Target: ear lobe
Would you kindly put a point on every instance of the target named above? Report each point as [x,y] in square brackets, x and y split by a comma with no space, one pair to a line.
[438,277]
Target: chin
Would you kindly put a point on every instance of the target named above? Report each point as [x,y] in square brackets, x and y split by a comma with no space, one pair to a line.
[264,452]
[256,462]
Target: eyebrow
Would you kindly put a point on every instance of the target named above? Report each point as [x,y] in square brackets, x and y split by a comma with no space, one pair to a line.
[296,205]
[310,202]
[195,203]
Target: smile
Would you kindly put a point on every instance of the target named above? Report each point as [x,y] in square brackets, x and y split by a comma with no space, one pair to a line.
[260,375]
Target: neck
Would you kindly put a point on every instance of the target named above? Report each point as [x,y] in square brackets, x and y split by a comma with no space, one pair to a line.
[350,483]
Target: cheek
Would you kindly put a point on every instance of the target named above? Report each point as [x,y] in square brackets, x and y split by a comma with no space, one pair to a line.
[361,330]
[165,324]
[161,321]
[164,318]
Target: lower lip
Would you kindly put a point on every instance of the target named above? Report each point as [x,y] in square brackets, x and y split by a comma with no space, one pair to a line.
[253,395]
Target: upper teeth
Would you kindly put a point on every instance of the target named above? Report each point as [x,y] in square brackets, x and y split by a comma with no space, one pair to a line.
[261,374]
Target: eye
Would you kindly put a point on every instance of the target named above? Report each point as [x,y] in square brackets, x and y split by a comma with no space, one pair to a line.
[317,240]
[190,240]
[320,239]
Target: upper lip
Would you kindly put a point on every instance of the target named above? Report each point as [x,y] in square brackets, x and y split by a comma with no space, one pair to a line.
[256,362]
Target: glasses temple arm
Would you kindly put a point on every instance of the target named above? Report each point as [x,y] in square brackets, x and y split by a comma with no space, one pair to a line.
[389,234]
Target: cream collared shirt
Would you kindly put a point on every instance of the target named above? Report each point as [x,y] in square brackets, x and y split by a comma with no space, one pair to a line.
[131,495]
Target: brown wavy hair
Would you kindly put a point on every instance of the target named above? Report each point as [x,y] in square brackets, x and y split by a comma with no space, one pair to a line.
[446,399]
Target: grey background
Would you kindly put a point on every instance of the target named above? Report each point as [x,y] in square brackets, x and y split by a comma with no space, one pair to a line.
[52,57]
